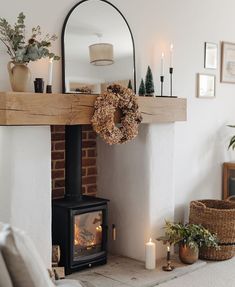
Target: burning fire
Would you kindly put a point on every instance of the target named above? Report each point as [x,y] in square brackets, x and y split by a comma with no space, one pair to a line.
[85,238]
[98,234]
[76,234]
[88,231]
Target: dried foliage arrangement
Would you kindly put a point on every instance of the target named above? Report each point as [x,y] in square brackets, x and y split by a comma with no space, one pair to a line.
[19,48]
[116,97]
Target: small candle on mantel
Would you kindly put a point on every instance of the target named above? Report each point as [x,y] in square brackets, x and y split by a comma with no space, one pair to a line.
[150,255]
[171,55]
[50,71]
[162,65]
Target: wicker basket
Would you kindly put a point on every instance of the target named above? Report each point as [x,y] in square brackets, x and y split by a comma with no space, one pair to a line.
[218,216]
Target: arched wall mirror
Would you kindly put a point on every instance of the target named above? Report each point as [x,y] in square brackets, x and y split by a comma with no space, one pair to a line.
[97,48]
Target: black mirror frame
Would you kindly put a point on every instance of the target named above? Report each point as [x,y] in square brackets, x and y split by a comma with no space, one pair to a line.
[63,44]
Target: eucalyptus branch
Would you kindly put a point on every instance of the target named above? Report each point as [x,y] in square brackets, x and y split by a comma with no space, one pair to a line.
[8,49]
[20,49]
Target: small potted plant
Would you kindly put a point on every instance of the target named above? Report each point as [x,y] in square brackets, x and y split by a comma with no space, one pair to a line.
[190,238]
[22,51]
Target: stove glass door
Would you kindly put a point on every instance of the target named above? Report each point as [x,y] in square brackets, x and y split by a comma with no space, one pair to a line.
[88,234]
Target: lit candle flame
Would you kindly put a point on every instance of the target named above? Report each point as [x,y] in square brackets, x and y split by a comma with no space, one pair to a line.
[150,239]
[171,47]
[168,248]
[99,228]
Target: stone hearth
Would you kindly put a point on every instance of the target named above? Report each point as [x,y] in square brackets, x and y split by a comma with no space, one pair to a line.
[126,272]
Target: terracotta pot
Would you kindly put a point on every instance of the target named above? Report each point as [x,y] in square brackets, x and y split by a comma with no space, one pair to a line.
[19,75]
[188,255]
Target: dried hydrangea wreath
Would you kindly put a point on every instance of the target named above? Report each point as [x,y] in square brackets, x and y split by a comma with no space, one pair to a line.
[116,97]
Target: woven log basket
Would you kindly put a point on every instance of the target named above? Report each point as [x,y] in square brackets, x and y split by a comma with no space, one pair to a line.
[218,216]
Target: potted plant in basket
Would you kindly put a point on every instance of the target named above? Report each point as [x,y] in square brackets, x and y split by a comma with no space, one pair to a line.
[22,51]
[190,238]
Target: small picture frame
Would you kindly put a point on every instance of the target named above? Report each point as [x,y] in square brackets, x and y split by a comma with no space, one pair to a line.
[227,63]
[206,86]
[210,56]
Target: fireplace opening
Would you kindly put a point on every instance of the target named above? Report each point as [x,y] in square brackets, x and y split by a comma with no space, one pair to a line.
[79,223]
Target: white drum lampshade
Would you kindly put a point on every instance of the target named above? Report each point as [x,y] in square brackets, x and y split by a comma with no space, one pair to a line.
[101,54]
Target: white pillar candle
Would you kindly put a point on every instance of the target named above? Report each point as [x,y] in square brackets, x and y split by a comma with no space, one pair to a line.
[150,255]
[50,71]
[162,65]
[171,56]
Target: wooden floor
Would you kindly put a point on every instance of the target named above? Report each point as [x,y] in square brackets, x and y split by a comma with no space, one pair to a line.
[125,272]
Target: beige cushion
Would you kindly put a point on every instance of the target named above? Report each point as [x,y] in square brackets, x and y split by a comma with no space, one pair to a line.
[24,264]
[5,280]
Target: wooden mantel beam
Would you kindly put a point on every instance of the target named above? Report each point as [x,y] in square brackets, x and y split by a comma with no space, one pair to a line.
[74,109]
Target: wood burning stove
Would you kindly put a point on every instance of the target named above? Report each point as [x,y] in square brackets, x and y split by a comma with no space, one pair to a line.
[80,229]
[79,223]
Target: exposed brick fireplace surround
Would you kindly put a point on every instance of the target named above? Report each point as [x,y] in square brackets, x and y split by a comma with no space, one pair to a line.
[89,170]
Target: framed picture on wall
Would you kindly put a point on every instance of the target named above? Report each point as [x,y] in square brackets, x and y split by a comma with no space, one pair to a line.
[227,63]
[210,56]
[206,86]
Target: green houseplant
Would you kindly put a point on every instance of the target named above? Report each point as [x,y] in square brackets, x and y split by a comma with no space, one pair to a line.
[190,238]
[232,140]
[22,51]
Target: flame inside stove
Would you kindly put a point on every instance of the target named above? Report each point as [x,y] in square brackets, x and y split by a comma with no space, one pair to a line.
[88,231]
[76,234]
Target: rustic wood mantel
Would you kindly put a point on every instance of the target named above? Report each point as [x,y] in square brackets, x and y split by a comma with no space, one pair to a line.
[74,109]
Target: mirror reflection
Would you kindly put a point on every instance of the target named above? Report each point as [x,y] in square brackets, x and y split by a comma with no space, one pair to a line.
[98,48]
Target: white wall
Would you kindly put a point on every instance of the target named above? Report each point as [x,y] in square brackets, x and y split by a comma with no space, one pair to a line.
[139,187]
[124,178]
[25,183]
[25,165]
[200,143]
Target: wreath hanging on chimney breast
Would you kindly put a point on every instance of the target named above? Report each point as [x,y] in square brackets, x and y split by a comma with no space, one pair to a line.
[116,98]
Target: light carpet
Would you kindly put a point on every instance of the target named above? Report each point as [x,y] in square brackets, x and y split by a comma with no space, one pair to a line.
[213,274]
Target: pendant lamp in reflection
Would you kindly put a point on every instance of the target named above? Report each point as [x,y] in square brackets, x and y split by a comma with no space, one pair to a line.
[101,54]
